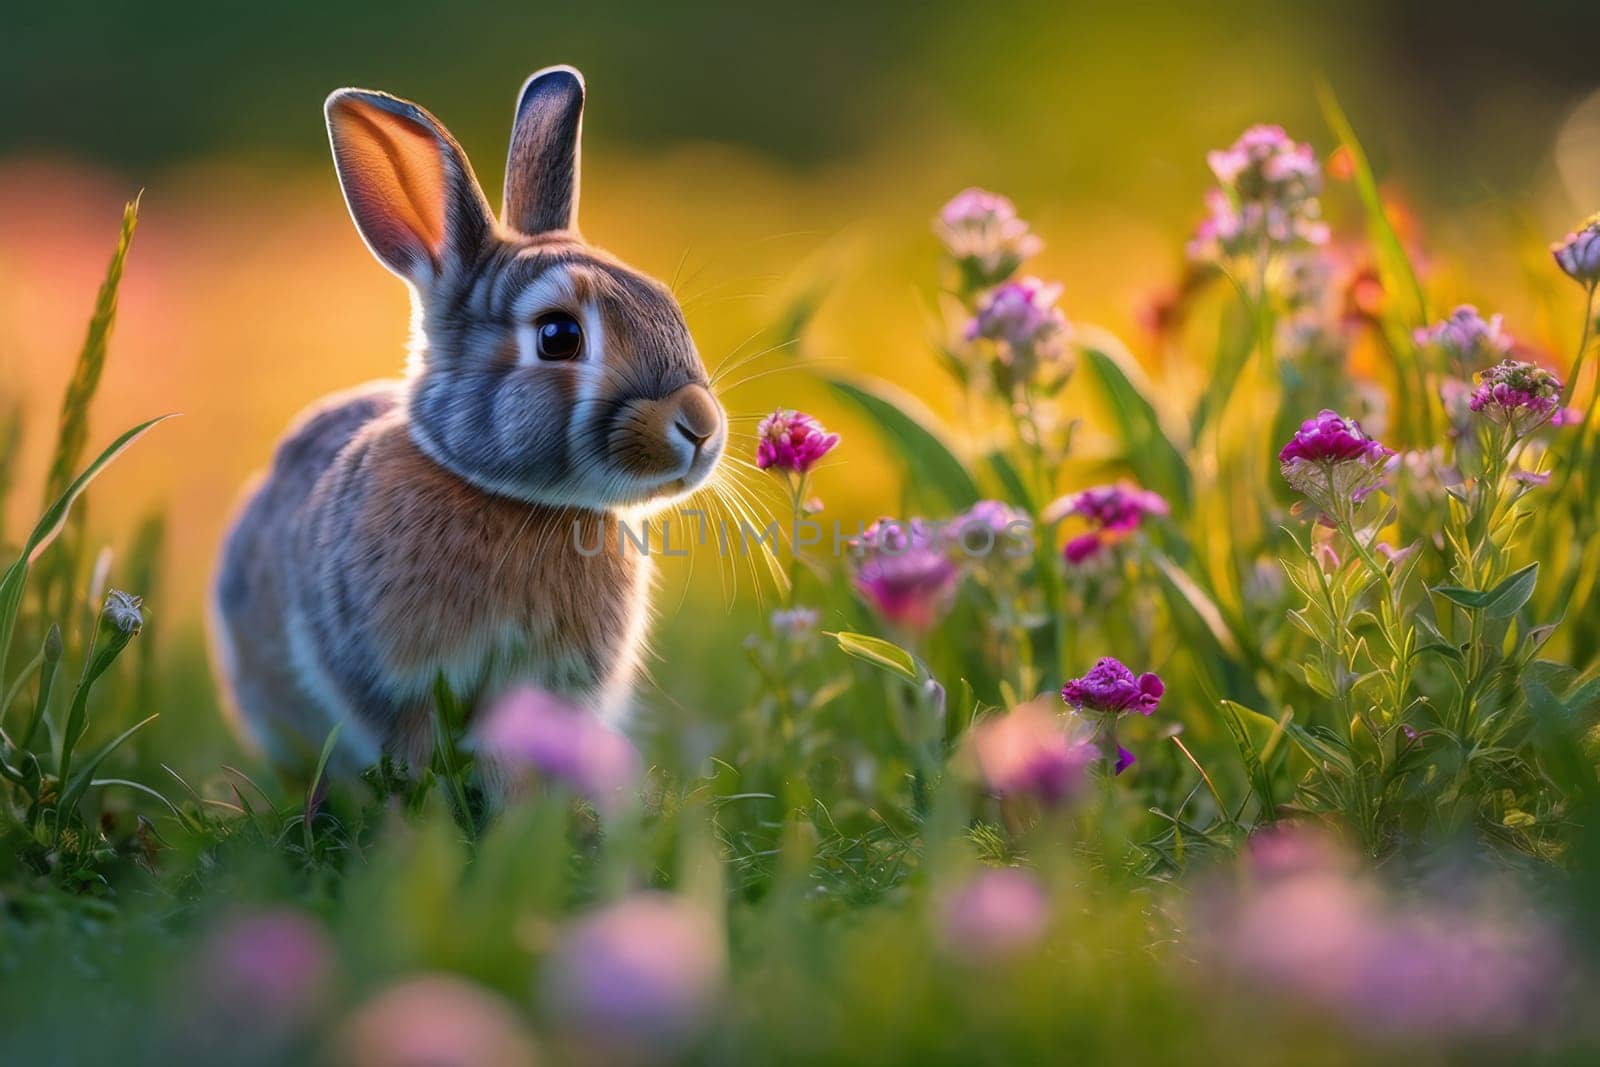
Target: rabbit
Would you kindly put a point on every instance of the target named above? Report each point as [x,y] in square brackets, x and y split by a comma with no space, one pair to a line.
[436,525]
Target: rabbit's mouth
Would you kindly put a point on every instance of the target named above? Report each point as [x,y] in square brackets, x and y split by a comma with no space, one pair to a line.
[669,446]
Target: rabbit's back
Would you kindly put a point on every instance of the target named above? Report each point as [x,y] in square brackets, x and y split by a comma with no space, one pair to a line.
[251,596]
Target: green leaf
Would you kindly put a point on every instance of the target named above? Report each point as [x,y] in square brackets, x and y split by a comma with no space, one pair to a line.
[1260,779]
[1320,747]
[1501,602]
[880,653]
[1145,446]
[79,783]
[1395,266]
[917,436]
[316,780]
[48,526]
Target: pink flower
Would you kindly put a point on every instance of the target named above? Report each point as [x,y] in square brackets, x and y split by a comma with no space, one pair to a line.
[647,969]
[1522,396]
[433,1020]
[532,733]
[1266,197]
[995,914]
[1112,511]
[1111,688]
[905,574]
[1332,461]
[792,441]
[984,236]
[1578,253]
[267,973]
[1027,753]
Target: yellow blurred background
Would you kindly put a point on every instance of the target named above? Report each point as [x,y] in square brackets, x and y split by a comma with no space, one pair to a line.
[750,156]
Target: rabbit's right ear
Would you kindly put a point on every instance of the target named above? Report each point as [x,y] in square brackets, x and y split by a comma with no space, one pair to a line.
[542,166]
[407,183]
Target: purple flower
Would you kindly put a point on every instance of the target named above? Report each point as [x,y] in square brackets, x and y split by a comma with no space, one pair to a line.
[1468,336]
[1111,688]
[1028,753]
[983,235]
[1112,511]
[435,1019]
[1519,395]
[792,441]
[1332,461]
[997,913]
[647,969]
[529,732]
[904,573]
[1022,317]
[1578,253]
[1266,197]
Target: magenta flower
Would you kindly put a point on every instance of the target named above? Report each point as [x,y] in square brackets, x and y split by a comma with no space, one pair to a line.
[1469,337]
[997,913]
[1028,753]
[1022,318]
[1111,688]
[1112,512]
[792,441]
[1521,396]
[1266,198]
[529,733]
[435,1019]
[1578,253]
[1109,691]
[904,573]
[985,237]
[647,969]
[1332,461]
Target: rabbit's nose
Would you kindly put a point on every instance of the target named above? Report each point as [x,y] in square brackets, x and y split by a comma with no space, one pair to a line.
[698,418]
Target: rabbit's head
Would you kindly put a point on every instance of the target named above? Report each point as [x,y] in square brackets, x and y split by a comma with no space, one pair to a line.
[542,368]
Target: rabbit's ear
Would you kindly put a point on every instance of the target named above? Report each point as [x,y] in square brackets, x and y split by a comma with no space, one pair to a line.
[409,186]
[542,167]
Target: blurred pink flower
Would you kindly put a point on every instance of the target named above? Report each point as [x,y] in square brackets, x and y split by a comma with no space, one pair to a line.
[1266,197]
[984,236]
[1027,752]
[266,971]
[647,969]
[1310,928]
[529,732]
[904,573]
[1112,512]
[792,441]
[996,913]
[434,1021]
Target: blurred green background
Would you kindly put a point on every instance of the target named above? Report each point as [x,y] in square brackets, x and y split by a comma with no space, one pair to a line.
[756,155]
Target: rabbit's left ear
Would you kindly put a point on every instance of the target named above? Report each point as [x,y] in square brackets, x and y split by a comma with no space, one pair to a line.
[542,167]
[409,186]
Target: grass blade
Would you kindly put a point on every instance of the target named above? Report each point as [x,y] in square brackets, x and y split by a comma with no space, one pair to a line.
[917,436]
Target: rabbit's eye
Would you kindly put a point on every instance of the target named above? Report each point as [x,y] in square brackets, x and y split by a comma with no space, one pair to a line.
[560,336]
